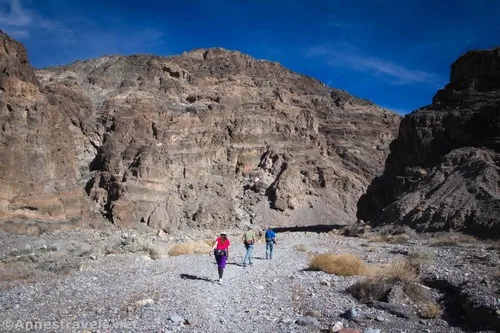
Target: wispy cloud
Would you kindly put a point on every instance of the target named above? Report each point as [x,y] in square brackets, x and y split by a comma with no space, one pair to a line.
[341,56]
[15,15]
[18,33]
[19,22]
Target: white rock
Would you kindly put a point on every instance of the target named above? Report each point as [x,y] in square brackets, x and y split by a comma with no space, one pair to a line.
[145,302]
[176,319]
[337,327]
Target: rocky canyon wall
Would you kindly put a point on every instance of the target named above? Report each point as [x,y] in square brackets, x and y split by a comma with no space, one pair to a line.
[443,170]
[208,139]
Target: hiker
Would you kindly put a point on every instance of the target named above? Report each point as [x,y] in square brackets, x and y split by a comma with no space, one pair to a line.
[248,240]
[221,252]
[270,241]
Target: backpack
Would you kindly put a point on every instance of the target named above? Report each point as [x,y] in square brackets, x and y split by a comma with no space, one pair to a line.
[248,238]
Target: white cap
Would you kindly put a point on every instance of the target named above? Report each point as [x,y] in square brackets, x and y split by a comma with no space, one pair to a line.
[223,233]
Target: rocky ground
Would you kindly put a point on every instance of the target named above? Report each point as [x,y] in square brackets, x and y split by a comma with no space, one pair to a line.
[108,278]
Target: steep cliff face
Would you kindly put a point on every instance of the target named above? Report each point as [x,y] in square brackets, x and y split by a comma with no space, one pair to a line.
[211,138]
[443,171]
[38,173]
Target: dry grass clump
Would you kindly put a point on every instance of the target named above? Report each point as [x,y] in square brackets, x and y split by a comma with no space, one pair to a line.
[301,248]
[136,245]
[199,247]
[430,310]
[402,274]
[452,239]
[338,264]
[390,239]
[155,252]
[400,270]
[421,258]
[495,245]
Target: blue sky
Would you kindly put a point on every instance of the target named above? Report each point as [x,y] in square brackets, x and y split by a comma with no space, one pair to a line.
[395,53]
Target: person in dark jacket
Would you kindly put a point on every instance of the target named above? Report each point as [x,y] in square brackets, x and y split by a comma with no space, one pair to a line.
[270,241]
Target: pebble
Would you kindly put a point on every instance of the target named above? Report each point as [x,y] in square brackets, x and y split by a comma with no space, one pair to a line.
[371,330]
[350,314]
[307,321]
[145,302]
[337,327]
[176,319]
[380,318]
[349,330]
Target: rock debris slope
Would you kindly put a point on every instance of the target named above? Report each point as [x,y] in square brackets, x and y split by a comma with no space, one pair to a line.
[443,171]
[215,138]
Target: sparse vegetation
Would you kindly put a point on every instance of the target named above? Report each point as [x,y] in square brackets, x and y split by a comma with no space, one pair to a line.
[451,239]
[430,310]
[301,248]
[199,247]
[390,239]
[135,245]
[494,246]
[376,287]
[421,258]
[338,264]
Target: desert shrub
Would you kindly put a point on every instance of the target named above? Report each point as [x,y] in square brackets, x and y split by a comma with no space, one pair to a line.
[494,246]
[421,258]
[452,239]
[136,245]
[430,310]
[390,239]
[301,247]
[338,264]
[155,252]
[381,281]
[199,247]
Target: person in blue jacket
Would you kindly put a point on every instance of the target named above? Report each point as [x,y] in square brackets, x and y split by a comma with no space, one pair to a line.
[270,241]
